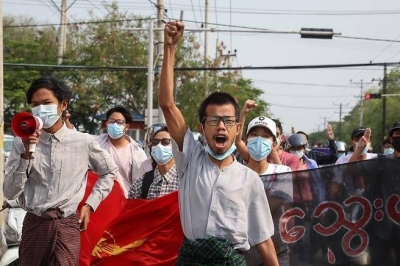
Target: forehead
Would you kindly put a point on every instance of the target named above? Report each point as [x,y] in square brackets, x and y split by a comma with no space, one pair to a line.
[220,110]
[117,115]
[162,134]
[396,132]
[43,94]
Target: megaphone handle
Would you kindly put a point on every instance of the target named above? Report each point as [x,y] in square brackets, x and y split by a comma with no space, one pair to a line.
[32,147]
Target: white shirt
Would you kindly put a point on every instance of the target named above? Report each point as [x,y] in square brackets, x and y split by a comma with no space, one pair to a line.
[346,158]
[229,203]
[278,185]
[340,176]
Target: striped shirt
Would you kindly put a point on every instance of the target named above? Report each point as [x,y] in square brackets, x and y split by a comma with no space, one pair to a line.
[56,177]
[161,186]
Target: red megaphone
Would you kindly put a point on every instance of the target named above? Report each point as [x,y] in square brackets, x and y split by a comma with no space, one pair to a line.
[24,124]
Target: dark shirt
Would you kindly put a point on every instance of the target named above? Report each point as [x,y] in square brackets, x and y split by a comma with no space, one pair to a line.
[323,159]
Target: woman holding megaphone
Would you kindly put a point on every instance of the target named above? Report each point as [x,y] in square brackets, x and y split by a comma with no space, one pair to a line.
[51,183]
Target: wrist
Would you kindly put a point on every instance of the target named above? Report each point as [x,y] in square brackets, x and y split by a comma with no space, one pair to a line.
[90,207]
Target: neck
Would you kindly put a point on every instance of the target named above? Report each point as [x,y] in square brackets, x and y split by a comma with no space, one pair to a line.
[165,168]
[54,128]
[224,163]
[258,166]
[118,143]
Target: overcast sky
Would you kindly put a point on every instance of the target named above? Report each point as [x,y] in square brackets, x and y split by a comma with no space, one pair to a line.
[300,98]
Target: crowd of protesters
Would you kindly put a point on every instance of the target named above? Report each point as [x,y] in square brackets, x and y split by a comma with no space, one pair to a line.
[234,184]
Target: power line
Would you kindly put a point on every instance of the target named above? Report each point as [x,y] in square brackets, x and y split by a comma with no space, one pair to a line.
[75,23]
[301,107]
[140,68]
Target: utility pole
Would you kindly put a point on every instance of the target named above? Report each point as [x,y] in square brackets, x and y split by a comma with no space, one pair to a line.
[361,83]
[206,48]
[324,121]
[340,118]
[160,49]
[63,31]
[1,104]
[384,90]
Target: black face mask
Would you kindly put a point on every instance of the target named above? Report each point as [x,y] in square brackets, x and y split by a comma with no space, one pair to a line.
[396,143]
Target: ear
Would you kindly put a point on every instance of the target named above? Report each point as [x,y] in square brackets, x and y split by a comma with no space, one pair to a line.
[200,128]
[238,128]
[64,105]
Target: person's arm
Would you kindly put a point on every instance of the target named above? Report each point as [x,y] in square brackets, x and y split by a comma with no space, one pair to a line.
[362,143]
[274,155]
[174,119]
[17,166]
[100,161]
[268,253]
[240,145]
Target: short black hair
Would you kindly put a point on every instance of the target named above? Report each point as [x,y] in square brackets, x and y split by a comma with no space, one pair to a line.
[59,88]
[386,141]
[120,109]
[217,98]
[164,128]
[302,132]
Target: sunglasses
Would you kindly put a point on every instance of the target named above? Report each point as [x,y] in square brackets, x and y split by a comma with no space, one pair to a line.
[164,142]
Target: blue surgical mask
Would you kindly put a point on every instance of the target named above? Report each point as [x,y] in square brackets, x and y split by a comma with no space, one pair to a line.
[365,150]
[222,156]
[115,131]
[388,151]
[299,154]
[161,154]
[259,148]
[48,113]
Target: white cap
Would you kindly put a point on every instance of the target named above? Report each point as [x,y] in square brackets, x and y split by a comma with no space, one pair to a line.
[262,121]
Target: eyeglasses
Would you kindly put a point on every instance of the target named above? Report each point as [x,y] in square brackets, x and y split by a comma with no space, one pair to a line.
[164,142]
[118,121]
[214,120]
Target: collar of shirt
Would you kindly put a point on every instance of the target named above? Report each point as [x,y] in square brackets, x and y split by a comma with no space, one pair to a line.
[59,135]
[169,175]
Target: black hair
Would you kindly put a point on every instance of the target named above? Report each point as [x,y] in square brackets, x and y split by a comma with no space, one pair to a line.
[164,128]
[278,125]
[386,141]
[59,88]
[301,132]
[120,109]
[217,98]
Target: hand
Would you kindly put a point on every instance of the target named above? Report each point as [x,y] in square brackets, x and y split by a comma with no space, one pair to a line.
[5,205]
[33,139]
[364,140]
[248,106]
[66,115]
[84,218]
[173,32]
[329,132]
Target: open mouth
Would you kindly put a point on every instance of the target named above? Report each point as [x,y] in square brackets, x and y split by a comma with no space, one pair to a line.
[220,141]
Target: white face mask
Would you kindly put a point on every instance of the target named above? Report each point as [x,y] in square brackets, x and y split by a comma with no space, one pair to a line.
[48,113]
[299,154]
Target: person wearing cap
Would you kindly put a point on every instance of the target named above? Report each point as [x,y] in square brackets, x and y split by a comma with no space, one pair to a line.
[260,141]
[163,179]
[277,155]
[361,141]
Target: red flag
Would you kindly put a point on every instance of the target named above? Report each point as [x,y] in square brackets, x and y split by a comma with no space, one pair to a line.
[147,232]
[108,210]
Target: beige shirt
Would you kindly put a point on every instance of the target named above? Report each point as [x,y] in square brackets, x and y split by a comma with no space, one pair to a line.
[57,175]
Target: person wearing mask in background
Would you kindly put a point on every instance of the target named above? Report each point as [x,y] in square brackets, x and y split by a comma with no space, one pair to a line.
[394,136]
[341,148]
[260,140]
[51,183]
[387,147]
[132,163]
[127,154]
[277,156]
[319,157]
[164,178]
[223,206]
[308,191]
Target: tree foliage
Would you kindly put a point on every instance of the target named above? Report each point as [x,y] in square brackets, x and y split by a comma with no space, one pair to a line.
[107,42]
